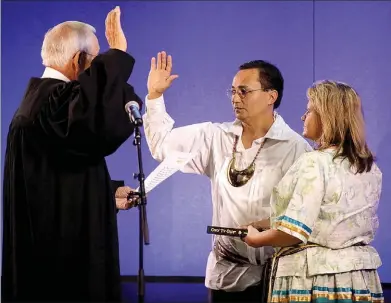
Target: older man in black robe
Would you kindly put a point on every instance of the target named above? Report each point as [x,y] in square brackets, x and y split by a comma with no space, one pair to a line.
[60,240]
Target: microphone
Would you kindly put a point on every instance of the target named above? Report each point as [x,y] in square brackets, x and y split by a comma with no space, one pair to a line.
[133,110]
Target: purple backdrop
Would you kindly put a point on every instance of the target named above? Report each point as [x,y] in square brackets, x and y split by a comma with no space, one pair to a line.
[346,41]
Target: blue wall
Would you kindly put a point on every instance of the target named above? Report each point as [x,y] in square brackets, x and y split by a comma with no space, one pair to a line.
[346,41]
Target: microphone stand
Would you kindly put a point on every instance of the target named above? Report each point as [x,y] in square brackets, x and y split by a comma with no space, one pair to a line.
[141,203]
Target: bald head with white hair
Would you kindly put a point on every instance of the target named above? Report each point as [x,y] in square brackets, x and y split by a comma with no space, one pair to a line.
[69,48]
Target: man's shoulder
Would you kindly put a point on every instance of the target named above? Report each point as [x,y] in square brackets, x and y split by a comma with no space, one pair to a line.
[225,126]
[45,85]
[291,137]
[44,88]
[300,140]
[38,91]
[297,140]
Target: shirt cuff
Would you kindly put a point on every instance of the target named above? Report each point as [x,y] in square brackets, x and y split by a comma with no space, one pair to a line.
[294,228]
[155,105]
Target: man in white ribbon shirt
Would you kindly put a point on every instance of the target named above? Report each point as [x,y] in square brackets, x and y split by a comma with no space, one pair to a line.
[244,160]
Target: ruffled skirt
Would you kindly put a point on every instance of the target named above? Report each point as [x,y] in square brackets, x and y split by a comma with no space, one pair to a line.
[356,286]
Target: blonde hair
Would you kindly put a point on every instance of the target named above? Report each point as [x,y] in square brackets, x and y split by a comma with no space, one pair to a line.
[339,108]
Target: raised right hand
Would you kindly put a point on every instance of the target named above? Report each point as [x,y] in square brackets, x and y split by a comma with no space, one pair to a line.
[114,33]
[160,78]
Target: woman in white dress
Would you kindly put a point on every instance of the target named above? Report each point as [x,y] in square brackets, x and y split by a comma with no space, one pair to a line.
[324,209]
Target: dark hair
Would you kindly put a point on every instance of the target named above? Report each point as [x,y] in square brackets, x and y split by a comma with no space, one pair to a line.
[270,77]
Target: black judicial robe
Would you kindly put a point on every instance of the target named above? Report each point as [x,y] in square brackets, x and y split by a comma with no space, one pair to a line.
[60,240]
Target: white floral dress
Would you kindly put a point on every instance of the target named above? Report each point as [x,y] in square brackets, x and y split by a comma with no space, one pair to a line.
[322,201]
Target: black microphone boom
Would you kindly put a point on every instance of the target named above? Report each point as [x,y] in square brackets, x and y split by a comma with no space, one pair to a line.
[133,110]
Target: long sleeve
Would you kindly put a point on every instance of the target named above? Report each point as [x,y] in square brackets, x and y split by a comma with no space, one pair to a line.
[162,138]
[115,184]
[87,117]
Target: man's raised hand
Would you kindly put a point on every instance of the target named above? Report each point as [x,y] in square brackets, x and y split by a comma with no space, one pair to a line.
[160,78]
[114,33]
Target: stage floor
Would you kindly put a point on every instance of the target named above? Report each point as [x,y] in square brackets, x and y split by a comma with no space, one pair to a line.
[179,293]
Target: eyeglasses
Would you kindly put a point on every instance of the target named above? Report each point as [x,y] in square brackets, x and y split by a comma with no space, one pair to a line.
[242,92]
[91,55]
[84,53]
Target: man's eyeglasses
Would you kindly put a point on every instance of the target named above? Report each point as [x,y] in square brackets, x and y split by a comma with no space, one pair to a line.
[83,53]
[242,92]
